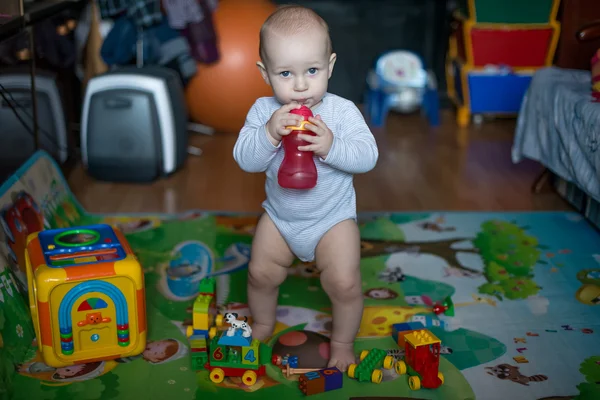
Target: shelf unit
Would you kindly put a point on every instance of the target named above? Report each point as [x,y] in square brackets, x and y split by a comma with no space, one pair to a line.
[30,14]
[495,48]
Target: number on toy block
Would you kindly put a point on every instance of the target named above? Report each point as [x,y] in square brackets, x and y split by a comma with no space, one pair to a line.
[250,356]
[218,354]
[312,375]
[330,371]
[250,353]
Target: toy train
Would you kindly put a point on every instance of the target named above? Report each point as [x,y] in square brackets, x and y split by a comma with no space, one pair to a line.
[231,353]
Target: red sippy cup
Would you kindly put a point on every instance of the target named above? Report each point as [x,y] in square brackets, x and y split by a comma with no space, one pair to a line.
[298,169]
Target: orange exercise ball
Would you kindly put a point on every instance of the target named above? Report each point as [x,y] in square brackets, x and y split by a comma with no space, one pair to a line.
[220,94]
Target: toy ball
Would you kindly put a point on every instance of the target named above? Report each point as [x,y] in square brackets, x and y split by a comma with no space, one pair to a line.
[220,94]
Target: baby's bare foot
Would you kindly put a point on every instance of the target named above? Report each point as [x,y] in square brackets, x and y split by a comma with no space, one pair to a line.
[262,331]
[341,355]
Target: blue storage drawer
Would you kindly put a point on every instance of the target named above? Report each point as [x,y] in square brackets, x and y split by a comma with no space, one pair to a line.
[497,92]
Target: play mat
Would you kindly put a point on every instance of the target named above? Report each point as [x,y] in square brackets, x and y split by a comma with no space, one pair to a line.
[525,288]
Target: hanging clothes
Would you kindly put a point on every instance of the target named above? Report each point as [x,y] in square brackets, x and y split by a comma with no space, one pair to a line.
[202,35]
[143,13]
[182,12]
[161,44]
[54,40]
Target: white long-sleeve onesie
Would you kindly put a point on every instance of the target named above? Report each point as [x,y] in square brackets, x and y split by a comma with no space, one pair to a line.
[304,216]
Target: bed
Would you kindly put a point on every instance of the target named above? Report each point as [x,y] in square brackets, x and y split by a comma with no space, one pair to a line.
[559,126]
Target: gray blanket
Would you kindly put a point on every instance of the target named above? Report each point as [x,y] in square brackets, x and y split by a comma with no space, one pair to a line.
[559,126]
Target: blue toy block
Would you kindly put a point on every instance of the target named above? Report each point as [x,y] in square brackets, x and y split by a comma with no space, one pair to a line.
[293,361]
[201,332]
[236,340]
[333,378]
[405,326]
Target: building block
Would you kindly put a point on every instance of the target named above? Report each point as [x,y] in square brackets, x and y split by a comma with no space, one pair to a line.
[311,383]
[402,337]
[197,342]
[199,359]
[208,286]
[250,354]
[204,311]
[422,337]
[333,378]
[421,361]
[316,382]
[236,340]
[405,326]
[369,368]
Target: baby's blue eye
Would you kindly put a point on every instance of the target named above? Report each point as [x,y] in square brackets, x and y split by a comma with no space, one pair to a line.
[285,74]
[312,71]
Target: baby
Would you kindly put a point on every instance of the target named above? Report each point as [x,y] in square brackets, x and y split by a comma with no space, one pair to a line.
[316,224]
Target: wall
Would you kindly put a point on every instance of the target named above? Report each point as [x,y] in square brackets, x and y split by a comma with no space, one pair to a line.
[363,29]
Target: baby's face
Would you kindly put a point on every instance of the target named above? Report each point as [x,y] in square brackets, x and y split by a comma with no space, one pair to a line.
[298,67]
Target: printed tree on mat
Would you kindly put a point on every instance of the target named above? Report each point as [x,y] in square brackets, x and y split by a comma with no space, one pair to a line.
[590,389]
[509,254]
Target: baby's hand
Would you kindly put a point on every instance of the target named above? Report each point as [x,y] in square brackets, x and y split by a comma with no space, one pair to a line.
[280,119]
[321,143]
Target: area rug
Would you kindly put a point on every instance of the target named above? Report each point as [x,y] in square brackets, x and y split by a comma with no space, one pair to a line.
[525,289]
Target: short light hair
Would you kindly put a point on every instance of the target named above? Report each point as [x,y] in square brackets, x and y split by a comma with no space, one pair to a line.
[290,20]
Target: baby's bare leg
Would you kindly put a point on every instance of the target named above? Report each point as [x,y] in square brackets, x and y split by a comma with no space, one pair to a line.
[269,261]
[338,258]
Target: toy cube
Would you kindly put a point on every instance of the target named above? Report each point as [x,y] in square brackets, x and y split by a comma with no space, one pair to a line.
[86,295]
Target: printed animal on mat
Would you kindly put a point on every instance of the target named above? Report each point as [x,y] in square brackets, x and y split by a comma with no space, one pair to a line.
[431,226]
[231,319]
[510,372]
[392,275]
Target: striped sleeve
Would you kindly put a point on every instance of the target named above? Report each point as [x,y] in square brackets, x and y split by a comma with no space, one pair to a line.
[354,149]
[253,151]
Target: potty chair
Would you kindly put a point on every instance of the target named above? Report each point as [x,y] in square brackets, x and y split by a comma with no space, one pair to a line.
[400,82]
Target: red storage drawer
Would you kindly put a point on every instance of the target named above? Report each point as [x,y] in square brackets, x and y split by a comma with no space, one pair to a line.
[521,46]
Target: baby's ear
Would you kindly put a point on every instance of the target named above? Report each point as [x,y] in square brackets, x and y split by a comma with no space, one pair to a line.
[332,59]
[263,71]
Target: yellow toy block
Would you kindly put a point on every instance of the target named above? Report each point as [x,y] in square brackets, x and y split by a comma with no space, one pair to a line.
[250,353]
[422,337]
[204,312]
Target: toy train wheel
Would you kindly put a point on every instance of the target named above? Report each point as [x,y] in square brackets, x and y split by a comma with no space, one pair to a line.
[249,378]
[189,331]
[376,376]
[217,375]
[400,367]
[414,383]
[388,362]
[364,354]
[351,370]
[219,320]
[441,376]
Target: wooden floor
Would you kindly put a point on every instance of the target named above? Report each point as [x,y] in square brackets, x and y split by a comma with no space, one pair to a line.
[419,168]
